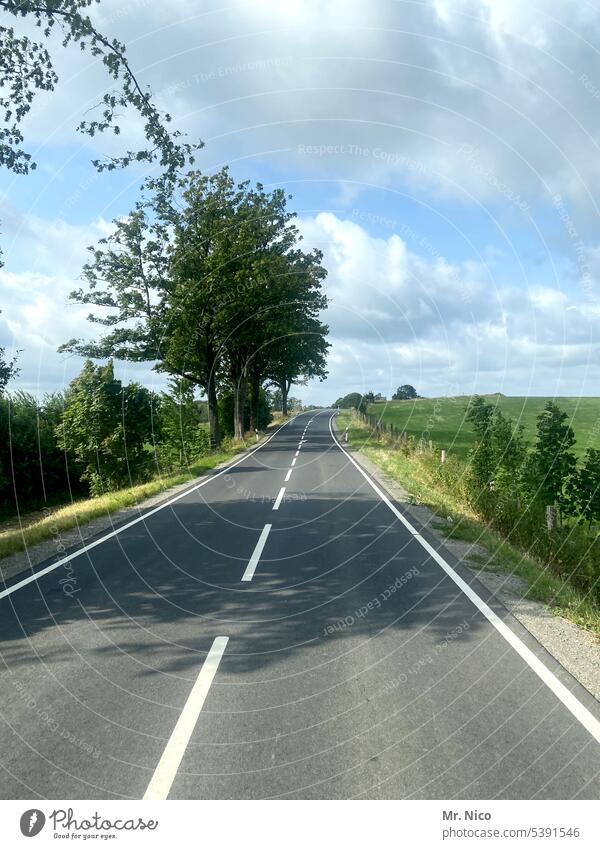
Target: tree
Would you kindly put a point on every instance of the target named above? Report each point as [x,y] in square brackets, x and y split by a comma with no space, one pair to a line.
[106,427]
[33,469]
[26,68]
[552,463]
[351,401]
[8,369]
[584,487]
[273,318]
[275,398]
[405,393]
[181,436]
[234,248]
[266,270]
[298,356]
[159,279]
[226,413]
[481,456]
[191,281]
[508,451]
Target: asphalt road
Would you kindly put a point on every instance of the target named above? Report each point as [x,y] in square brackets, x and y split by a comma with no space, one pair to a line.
[202,654]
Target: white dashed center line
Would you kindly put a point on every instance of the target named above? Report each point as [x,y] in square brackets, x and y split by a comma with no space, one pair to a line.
[253,562]
[288,476]
[165,772]
[294,462]
[279,498]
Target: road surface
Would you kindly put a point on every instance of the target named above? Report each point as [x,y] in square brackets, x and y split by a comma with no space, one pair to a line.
[281,632]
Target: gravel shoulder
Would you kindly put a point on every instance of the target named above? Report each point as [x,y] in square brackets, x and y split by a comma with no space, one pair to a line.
[573,647]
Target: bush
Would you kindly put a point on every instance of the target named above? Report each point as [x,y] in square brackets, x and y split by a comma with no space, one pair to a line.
[106,427]
[33,468]
[181,434]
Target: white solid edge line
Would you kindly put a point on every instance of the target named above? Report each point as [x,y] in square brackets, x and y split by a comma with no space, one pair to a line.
[288,476]
[253,562]
[571,702]
[278,499]
[165,772]
[133,522]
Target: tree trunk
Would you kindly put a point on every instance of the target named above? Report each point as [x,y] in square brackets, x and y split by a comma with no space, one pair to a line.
[254,398]
[213,415]
[239,401]
[206,352]
[284,397]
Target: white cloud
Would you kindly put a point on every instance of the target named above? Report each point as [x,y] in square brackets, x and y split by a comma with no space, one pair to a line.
[406,83]
[398,317]
[490,102]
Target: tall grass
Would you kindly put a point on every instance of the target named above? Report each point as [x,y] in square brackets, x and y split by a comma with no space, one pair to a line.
[561,568]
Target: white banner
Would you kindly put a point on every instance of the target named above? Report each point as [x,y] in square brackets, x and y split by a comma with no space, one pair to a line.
[292,824]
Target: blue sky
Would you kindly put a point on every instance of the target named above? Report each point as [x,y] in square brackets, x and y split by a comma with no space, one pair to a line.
[445,156]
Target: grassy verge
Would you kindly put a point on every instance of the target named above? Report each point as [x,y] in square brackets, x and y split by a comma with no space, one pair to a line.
[413,474]
[43,525]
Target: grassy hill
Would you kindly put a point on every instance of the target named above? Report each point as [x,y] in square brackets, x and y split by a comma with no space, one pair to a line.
[444,418]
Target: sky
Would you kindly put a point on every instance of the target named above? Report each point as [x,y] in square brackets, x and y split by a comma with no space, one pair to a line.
[443,154]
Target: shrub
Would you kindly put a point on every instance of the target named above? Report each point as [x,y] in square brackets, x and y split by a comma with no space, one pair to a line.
[181,435]
[106,426]
[33,468]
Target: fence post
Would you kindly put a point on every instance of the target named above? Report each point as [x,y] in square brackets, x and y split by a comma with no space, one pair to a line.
[550,516]
[443,455]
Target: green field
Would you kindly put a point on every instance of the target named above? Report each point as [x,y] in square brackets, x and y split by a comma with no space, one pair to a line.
[444,419]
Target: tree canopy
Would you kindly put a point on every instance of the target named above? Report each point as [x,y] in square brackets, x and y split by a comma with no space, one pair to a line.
[406,392]
[27,68]
[207,280]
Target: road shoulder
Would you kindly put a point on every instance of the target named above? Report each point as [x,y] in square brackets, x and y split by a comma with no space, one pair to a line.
[66,541]
[574,648]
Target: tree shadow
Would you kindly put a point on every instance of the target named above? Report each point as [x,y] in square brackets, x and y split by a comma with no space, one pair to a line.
[349,570]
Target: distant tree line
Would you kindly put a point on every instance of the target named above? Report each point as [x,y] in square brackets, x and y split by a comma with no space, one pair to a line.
[358,401]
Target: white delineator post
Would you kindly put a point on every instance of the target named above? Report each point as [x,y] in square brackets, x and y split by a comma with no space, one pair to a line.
[443,455]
